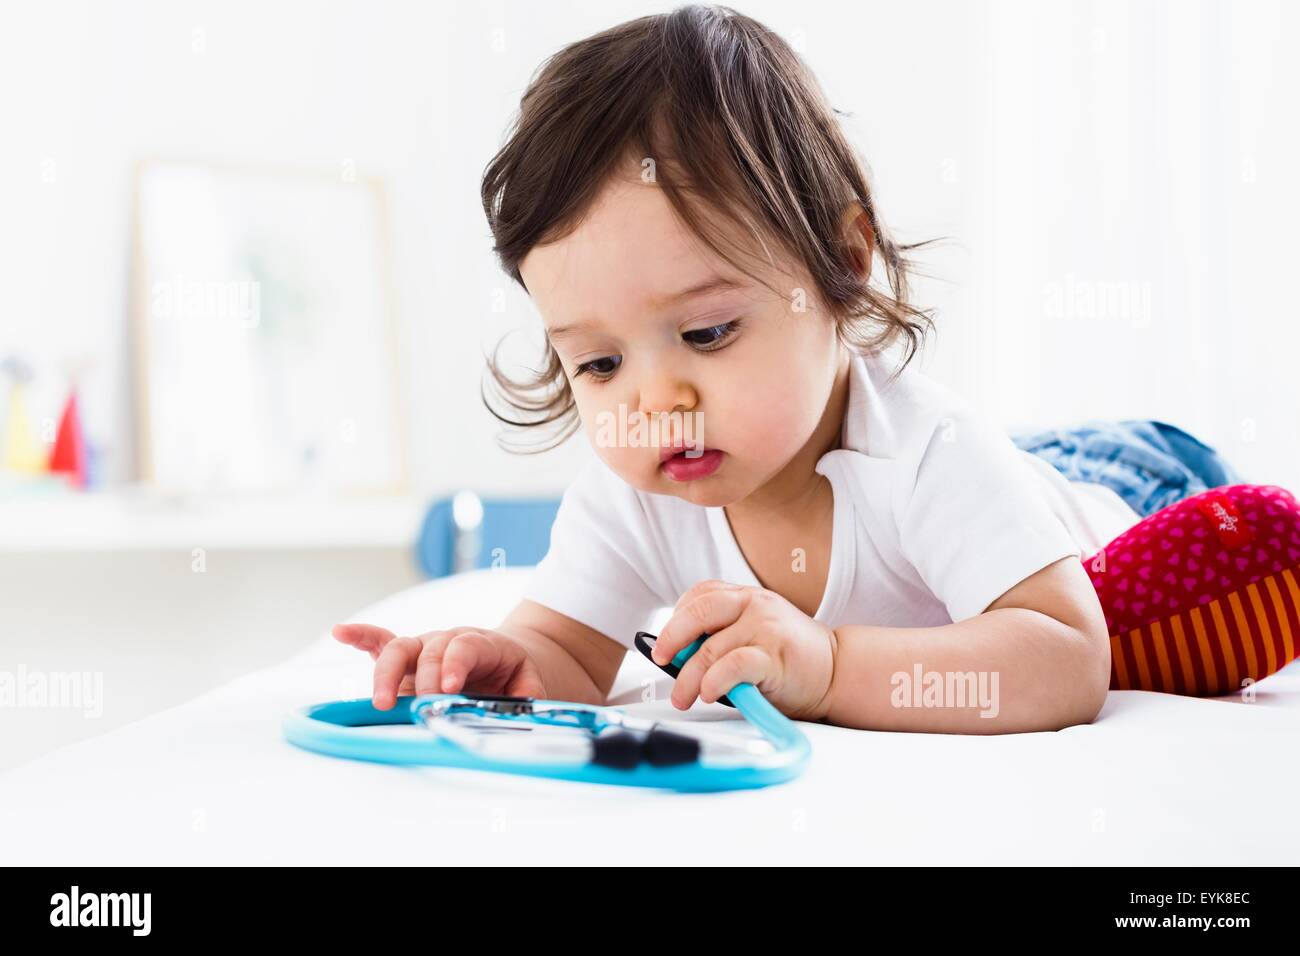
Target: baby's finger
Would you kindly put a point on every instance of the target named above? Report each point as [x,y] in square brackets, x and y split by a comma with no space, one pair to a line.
[395,662]
[527,682]
[717,648]
[748,664]
[468,656]
[428,670]
[705,611]
[365,637]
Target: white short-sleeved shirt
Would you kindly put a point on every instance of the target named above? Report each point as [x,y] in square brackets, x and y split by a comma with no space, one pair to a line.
[937,513]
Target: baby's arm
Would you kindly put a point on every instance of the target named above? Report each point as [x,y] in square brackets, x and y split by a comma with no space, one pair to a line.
[578,663]
[1041,649]
[539,651]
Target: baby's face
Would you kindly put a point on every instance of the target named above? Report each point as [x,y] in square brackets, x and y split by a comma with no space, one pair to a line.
[754,391]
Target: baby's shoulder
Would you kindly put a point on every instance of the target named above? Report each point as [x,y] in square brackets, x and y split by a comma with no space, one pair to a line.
[898,414]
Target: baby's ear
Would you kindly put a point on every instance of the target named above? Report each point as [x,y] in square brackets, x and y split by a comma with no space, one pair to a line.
[859,237]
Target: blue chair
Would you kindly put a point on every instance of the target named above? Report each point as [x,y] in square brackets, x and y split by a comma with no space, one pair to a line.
[463,532]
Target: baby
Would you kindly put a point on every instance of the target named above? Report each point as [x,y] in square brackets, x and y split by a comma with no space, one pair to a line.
[700,240]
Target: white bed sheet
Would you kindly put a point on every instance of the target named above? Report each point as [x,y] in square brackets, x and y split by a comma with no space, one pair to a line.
[1156,779]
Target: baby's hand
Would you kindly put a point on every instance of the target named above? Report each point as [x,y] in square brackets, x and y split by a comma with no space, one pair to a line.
[756,637]
[462,659]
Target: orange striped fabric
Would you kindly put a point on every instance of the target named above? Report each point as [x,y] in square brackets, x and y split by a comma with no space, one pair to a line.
[1215,648]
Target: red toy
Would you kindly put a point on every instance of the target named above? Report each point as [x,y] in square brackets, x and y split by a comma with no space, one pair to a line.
[69,453]
[1203,596]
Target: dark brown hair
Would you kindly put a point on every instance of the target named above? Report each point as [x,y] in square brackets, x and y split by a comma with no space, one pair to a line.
[736,125]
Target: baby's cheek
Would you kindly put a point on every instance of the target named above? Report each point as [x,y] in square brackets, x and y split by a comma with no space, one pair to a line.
[761,417]
[637,465]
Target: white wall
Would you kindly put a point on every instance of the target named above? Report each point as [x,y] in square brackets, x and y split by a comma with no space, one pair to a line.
[1101,144]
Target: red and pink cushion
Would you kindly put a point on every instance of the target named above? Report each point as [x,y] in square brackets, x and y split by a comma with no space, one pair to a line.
[1203,596]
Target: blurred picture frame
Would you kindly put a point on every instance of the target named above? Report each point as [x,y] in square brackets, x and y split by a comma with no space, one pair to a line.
[264,337]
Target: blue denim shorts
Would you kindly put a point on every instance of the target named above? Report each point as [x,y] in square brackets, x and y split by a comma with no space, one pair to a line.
[1149,464]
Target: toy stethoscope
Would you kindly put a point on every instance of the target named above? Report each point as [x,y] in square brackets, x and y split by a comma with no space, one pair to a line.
[603,745]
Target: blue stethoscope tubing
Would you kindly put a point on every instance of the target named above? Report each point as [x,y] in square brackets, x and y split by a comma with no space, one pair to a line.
[353,729]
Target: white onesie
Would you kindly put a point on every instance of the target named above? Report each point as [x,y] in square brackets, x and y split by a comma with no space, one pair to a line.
[937,513]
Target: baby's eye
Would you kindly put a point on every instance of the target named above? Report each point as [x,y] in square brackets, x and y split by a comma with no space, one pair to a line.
[599,370]
[713,334]
[598,374]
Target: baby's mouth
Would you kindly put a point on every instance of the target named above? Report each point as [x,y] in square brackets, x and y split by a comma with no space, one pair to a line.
[690,464]
[685,450]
